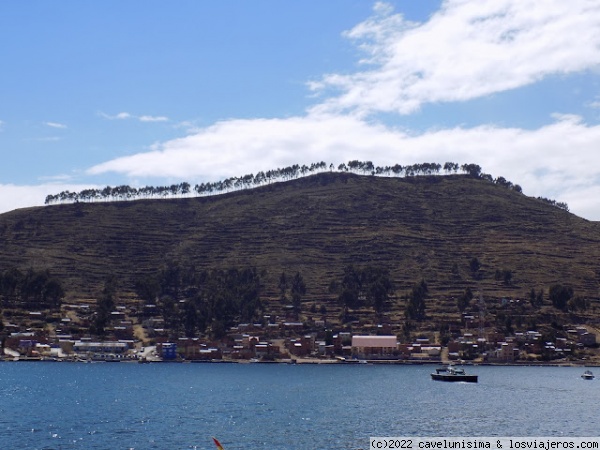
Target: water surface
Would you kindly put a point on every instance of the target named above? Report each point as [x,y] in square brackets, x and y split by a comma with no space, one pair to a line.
[278,406]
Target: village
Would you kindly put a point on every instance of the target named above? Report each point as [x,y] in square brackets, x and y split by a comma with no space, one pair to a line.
[277,339]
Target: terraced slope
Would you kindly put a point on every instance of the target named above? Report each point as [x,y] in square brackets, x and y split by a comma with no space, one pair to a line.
[420,227]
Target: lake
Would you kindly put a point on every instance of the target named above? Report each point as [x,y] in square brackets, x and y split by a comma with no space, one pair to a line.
[47,405]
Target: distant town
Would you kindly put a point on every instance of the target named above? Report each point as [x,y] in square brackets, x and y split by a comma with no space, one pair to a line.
[277,339]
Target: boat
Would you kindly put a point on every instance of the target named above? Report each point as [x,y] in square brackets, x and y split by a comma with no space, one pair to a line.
[453,374]
[587,375]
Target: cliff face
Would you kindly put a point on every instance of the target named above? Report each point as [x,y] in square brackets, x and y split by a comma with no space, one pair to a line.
[419,228]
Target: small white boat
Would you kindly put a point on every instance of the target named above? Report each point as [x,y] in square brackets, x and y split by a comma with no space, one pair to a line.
[587,375]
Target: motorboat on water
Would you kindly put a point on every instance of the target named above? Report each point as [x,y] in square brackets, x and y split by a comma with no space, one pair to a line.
[452,373]
[587,375]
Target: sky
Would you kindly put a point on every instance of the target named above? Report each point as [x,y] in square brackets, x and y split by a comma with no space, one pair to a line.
[155,93]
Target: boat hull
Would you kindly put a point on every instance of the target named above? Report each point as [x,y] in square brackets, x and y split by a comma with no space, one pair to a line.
[448,377]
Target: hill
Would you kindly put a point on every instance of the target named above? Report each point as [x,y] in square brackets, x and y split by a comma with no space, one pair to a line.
[426,227]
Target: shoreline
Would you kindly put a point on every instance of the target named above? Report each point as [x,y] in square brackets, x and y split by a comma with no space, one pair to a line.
[311,361]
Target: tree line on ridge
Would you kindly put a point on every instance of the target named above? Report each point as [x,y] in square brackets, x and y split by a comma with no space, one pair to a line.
[185,189]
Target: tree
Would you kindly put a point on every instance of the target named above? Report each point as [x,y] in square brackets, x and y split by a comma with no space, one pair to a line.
[444,334]
[464,301]
[12,280]
[415,302]
[407,328]
[32,288]
[171,280]
[53,293]
[184,188]
[349,300]
[190,318]
[475,267]
[368,168]
[472,169]
[194,300]
[505,276]
[147,288]
[451,167]
[577,304]
[540,298]
[536,299]
[397,169]
[378,287]
[298,290]
[168,308]
[370,285]
[105,304]
[349,289]
[283,287]
[560,295]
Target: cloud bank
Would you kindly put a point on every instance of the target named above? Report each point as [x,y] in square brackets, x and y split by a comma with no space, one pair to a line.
[556,160]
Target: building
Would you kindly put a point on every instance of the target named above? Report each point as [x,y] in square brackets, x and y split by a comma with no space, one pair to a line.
[584,337]
[505,352]
[167,350]
[374,347]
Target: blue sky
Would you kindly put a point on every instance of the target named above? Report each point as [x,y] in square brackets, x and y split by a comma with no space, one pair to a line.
[153,92]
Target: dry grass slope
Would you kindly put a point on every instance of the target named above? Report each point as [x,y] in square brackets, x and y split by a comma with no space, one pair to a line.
[417,227]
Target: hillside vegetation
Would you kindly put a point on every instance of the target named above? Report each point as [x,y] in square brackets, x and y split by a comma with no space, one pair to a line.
[419,228]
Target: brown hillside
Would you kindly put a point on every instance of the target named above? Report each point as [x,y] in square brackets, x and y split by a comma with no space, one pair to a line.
[418,227]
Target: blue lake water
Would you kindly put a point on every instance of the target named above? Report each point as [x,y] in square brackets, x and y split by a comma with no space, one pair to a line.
[252,406]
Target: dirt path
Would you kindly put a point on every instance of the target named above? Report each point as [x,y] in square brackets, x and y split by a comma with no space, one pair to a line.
[140,334]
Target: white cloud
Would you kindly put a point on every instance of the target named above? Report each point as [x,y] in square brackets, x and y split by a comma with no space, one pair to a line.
[23,196]
[119,116]
[153,119]
[236,146]
[595,104]
[55,125]
[466,50]
[126,116]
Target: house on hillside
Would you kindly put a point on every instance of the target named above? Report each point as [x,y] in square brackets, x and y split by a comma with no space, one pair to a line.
[505,352]
[582,336]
